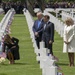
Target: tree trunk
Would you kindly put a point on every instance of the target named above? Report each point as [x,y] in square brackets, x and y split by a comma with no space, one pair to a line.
[0,1]
[30,4]
[41,4]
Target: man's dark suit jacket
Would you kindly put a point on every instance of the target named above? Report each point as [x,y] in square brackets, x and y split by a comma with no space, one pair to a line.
[39,30]
[48,32]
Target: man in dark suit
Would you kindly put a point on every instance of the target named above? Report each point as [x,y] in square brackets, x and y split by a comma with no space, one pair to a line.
[38,28]
[48,34]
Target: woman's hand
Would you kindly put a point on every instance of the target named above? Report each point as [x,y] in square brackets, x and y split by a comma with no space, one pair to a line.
[13,47]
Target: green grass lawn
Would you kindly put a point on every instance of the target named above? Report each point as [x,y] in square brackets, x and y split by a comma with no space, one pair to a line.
[1,16]
[27,65]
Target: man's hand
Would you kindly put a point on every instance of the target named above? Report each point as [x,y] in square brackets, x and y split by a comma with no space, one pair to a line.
[50,42]
[36,34]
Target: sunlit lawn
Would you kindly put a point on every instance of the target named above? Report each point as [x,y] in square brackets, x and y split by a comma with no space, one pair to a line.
[27,65]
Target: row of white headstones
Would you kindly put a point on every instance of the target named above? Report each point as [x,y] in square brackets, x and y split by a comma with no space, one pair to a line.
[47,63]
[66,14]
[5,25]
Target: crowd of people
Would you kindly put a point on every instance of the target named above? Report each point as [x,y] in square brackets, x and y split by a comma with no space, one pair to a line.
[18,6]
[60,5]
[57,5]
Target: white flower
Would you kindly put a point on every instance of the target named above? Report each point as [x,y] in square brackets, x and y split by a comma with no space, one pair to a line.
[2,59]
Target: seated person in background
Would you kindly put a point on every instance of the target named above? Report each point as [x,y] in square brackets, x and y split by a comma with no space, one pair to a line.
[10,45]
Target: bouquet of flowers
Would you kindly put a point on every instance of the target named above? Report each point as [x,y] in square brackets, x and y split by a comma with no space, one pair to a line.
[2,57]
[2,60]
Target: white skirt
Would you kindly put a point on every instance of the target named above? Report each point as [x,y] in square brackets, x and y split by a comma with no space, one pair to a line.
[65,48]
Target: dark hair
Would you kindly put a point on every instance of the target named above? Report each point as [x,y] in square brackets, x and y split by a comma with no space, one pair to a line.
[47,16]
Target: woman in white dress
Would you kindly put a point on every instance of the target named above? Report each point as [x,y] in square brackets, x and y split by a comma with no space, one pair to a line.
[69,40]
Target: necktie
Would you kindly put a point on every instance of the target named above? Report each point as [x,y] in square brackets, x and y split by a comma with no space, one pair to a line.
[39,22]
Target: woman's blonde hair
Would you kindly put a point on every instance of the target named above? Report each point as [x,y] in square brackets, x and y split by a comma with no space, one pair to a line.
[69,21]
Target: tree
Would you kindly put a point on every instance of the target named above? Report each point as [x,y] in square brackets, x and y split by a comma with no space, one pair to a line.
[30,5]
[41,3]
[0,1]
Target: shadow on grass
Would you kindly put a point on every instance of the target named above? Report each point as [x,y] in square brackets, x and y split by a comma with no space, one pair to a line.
[14,64]
[63,64]
[21,64]
[3,74]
